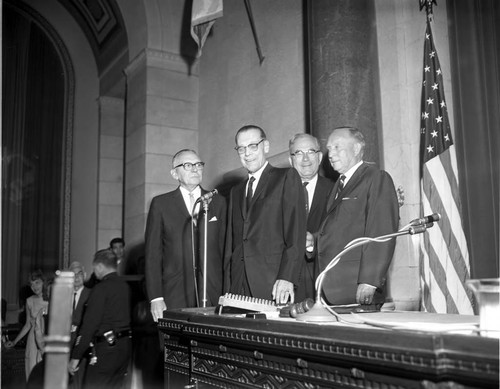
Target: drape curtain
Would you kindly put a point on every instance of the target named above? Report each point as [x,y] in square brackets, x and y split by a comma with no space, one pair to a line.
[474,31]
[32,152]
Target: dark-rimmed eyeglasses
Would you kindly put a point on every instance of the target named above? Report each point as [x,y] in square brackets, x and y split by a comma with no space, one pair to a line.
[252,147]
[300,154]
[189,166]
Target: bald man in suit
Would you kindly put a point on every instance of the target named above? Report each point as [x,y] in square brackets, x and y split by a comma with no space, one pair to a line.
[305,157]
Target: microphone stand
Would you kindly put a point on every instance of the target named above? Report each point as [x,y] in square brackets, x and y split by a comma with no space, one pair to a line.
[204,259]
[320,312]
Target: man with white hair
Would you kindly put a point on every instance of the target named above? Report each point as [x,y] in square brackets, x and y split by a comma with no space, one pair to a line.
[305,157]
[80,296]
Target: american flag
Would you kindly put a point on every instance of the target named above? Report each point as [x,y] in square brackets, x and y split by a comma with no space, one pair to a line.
[444,257]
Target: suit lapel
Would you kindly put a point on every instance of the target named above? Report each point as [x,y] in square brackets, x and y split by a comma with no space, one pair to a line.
[261,185]
[180,203]
[264,179]
[319,191]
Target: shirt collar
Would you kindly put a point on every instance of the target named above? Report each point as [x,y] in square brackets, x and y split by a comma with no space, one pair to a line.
[196,192]
[312,181]
[258,173]
[348,174]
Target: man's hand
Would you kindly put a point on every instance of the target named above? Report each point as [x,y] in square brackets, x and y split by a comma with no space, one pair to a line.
[73,366]
[282,291]
[364,294]
[157,308]
[309,242]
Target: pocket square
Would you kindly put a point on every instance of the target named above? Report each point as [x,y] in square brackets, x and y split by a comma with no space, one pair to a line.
[213,219]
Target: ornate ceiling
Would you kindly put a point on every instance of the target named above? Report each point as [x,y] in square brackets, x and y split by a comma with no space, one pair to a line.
[102,23]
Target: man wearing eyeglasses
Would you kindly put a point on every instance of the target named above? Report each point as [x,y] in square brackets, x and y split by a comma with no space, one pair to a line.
[305,157]
[266,224]
[173,267]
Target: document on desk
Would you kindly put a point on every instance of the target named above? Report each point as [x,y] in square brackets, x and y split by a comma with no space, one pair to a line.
[420,321]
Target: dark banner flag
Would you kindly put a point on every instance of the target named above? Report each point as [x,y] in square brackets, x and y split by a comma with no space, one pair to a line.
[444,257]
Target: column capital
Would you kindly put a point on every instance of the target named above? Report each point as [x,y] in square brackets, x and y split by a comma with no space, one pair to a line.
[164,60]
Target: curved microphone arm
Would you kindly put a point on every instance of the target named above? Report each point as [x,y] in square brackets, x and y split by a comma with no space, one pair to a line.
[317,313]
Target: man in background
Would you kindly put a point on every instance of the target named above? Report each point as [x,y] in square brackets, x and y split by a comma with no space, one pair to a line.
[80,296]
[173,267]
[305,157]
[266,224]
[117,246]
[363,203]
[106,323]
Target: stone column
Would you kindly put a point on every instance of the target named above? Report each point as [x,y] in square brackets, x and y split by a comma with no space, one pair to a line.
[343,81]
[162,118]
[111,167]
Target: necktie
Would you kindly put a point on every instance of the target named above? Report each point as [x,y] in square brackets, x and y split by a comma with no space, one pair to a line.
[250,191]
[74,301]
[342,180]
[306,196]
[341,185]
[191,210]
[191,201]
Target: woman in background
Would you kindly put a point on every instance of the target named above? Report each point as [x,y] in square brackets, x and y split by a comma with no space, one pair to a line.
[36,306]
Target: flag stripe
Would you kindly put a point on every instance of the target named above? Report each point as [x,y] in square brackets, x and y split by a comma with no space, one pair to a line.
[452,233]
[439,293]
[445,242]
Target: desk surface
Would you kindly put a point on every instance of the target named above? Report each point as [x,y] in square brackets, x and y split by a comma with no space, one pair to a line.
[233,351]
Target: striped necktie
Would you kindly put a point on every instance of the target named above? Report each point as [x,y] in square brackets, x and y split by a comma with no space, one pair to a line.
[341,185]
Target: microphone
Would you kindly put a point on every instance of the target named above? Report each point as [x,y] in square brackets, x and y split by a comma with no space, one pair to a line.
[420,228]
[207,196]
[426,219]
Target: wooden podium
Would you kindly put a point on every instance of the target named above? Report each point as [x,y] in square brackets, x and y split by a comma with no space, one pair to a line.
[227,351]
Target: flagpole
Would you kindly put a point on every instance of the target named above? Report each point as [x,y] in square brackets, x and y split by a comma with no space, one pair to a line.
[254,31]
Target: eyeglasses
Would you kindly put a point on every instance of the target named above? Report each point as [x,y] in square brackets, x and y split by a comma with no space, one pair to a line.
[189,166]
[300,154]
[252,147]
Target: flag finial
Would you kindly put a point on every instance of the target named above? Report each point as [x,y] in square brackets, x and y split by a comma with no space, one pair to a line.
[428,6]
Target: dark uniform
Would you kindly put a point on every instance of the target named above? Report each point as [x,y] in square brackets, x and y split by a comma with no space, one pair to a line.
[108,309]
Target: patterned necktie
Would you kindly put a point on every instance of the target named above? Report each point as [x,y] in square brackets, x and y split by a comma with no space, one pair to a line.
[341,185]
[250,191]
[306,196]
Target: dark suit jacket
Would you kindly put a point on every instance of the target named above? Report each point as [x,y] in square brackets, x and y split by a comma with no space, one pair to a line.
[77,315]
[367,207]
[169,259]
[316,215]
[268,242]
